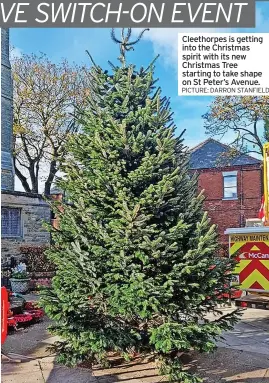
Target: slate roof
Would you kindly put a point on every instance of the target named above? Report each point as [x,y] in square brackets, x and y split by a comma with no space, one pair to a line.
[209,154]
[55,190]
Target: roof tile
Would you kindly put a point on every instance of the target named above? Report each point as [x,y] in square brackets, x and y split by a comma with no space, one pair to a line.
[211,154]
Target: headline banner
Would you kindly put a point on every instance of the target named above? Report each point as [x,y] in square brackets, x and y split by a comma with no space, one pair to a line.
[128,13]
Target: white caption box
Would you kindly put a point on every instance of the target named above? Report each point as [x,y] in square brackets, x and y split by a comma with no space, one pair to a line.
[221,64]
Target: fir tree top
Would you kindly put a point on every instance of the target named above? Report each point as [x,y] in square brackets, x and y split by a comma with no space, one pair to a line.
[125,43]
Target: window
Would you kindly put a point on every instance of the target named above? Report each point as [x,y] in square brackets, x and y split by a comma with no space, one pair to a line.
[11,222]
[230,185]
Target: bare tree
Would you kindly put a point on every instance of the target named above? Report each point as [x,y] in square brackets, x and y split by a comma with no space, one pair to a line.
[246,117]
[45,99]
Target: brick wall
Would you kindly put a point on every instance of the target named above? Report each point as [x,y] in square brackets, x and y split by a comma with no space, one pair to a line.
[34,211]
[231,213]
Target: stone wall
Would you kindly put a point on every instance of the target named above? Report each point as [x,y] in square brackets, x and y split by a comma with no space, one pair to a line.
[7,179]
[7,170]
[34,211]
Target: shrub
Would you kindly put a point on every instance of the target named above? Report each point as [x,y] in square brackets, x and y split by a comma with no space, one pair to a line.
[19,272]
[36,258]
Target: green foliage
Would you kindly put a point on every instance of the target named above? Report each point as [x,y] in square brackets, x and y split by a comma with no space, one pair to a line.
[134,253]
[17,273]
[173,368]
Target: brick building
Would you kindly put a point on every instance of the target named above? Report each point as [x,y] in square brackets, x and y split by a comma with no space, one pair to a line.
[233,187]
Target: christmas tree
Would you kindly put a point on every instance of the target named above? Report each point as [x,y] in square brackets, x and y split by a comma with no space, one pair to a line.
[135,253]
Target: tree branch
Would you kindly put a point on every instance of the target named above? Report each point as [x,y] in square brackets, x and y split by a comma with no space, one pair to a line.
[22,178]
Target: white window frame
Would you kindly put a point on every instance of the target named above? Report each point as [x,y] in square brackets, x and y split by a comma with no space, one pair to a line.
[19,234]
[230,174]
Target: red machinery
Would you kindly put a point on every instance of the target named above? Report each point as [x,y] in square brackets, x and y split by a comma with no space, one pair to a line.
[29,313]
[4,314]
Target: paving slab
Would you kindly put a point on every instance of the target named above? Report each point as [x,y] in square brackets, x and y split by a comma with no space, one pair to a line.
[60,374]
[228,365]
[141,370]
[25,378]
[40,371]
[251,376]
[255,315]
[27,339]
[263,349]
[9,368]
[224,365]
[251,334]
[245,326]
[27,372]
[139,364]
[242,357]
[247,338]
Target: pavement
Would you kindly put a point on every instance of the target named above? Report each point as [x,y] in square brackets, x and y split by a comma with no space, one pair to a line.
[242,357]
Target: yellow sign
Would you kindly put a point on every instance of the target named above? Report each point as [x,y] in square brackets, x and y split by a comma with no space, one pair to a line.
[249,237]
[252,252]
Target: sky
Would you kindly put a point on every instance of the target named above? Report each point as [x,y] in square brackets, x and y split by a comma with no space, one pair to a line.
[71,44]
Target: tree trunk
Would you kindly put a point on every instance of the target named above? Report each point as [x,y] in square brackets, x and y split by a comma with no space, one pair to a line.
[53,171]
[34,179]
[22,178]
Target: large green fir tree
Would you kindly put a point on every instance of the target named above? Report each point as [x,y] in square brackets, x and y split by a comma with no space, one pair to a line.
[135,253]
